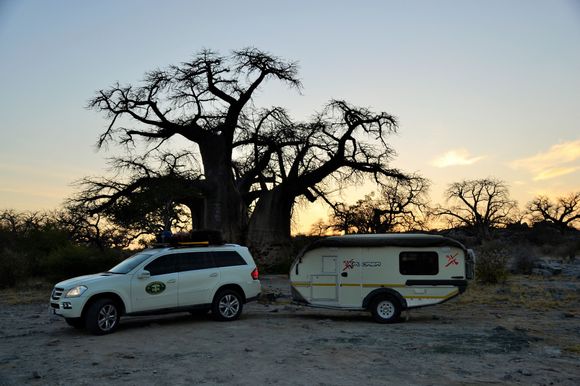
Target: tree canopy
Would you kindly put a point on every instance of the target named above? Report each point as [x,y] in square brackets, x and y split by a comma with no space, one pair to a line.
[481,204]
[563,212]
[252,164]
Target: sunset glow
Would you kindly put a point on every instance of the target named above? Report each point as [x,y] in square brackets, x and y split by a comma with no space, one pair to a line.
[479,89]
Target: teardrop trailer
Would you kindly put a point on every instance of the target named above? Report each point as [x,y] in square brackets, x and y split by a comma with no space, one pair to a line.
[383,273]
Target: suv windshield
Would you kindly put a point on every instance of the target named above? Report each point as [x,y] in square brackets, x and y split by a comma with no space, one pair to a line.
[128,264]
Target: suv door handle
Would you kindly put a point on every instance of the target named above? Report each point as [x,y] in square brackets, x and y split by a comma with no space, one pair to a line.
[213,274]
[171,281]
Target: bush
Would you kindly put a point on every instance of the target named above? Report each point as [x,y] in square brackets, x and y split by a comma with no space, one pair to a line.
[15,267]
[75,260]
[491,263]
[524,257]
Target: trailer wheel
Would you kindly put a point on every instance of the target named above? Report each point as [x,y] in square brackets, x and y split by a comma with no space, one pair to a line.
[385,309]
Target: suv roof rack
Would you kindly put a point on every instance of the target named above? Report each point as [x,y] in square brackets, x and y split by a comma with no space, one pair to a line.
[182,244]
[190,239]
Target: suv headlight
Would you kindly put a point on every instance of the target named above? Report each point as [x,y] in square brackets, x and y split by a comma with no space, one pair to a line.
[75,292]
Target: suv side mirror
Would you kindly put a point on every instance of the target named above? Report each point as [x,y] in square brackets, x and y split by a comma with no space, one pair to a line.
[144,275]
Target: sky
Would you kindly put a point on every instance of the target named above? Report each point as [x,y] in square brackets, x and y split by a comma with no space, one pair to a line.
[480,88]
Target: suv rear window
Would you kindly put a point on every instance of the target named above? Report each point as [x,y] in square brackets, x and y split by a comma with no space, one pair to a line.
[195,260]
[418,263]
[228,259]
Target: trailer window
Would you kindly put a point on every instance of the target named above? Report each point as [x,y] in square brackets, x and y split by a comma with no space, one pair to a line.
[418,263]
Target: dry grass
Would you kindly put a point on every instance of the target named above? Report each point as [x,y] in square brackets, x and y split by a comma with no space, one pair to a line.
[27,293]
[575,349]
[532,293]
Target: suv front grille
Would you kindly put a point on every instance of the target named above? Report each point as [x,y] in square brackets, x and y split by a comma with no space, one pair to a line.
[56,293]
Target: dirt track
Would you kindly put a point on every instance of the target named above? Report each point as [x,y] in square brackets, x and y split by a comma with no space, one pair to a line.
[282,344]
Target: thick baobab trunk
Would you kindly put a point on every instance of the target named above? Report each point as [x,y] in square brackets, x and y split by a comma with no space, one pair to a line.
[224,207]
[269,229]
[196,207]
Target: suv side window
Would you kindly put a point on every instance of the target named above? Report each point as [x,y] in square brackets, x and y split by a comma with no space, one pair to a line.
[228,259]
[195,260]
[163,265]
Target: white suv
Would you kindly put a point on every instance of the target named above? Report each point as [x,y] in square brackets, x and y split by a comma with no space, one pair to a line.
[172,279]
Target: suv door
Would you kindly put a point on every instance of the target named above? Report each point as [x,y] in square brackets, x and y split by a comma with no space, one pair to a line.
[198,277]
[160,290]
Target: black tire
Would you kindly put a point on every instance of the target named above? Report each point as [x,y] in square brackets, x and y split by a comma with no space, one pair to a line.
[102,317]
[227,305]
[386,309]
[77,323]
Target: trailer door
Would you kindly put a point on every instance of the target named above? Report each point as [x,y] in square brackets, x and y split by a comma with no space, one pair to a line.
[324,284]
[350,283]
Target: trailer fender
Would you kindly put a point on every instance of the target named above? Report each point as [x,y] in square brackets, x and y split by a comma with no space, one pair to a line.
[368,300]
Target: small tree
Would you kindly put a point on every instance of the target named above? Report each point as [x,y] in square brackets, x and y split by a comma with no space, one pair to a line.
[401,206]
[564,213]
[144,198]
[481,205]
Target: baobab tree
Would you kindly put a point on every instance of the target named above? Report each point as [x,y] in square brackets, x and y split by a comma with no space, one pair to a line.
[200,100]
[339,146]
[481,205]
[253,164]
[564,212]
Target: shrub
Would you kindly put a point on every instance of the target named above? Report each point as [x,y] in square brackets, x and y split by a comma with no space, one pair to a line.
[524,257]
[75,260]
[491,265]
[15,267]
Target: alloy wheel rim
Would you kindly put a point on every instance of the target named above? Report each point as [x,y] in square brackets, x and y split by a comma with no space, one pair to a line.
[107,317]
[229,306]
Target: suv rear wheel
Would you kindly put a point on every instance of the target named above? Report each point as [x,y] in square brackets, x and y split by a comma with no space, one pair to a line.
[227,305]
[102,317]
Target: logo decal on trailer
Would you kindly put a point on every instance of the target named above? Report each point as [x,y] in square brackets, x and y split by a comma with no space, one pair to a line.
[348,264]
[451,259]
[352,263]
[155,288]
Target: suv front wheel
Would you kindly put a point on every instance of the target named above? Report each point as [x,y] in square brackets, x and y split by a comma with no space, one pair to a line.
[227,305]
[102,317]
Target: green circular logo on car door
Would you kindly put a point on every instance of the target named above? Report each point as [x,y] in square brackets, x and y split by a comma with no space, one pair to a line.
[155,288]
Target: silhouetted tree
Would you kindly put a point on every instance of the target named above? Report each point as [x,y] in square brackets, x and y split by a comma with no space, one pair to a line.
[254,164]
[201,100]
[144,198]
[93,230]
[319,228]
[481,205]
[339,146]
[401,206]
[564,212]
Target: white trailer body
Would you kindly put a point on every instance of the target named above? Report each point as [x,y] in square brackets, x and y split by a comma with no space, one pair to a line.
[388,272]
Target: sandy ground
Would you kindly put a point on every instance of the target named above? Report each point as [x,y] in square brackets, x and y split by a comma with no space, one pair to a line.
[282,344]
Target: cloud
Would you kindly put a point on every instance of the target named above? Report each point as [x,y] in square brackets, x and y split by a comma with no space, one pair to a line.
[558,161]
[455,157]
[554,172]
